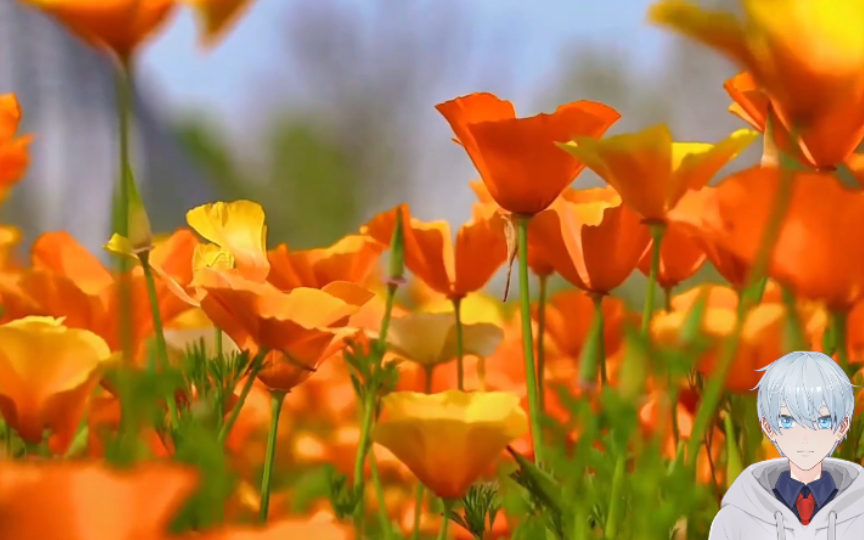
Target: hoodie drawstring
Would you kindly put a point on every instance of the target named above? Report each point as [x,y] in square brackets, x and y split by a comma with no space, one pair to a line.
[832,526]
[781,530]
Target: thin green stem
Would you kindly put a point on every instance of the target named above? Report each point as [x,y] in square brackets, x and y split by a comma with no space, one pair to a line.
[527,338]
[448,504]
[125,113]
[657,230]
[714,389]
[388,312]
[541,341]
[362,449]
[667,299]
[379,493]
[8,431]
[257,363]
[599,331]
[161,346]
[219,345]
[460,355]
[418,509]
[615,500]
[276,400]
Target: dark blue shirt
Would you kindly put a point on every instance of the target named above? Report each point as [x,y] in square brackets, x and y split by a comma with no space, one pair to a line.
[787,489]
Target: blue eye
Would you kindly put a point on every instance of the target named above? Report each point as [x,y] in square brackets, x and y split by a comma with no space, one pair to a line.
[824,422]
[786,422]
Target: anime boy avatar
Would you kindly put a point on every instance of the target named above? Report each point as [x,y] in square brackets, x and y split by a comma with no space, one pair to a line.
[805,404]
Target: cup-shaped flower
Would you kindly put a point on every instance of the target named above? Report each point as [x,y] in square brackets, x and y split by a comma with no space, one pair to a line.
[453,269]
[47,372]
[815,85]
[650,171]
[431,338]
[300,328]
[516,157]
[286,529]
[447,440]
[123,26]
[576,234]
[352,258]
[120,26]
[67,500]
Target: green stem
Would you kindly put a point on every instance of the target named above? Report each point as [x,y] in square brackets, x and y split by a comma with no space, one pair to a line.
[276,400]
[8,431]
[257,364]
[161,346]
[448,504]
[541,342]
[388,312]
[615,502]
[600,341]
[379,492]
[460,360]
[667,299]
[125,112]
[657,230]
[418,510]
[714,388]
[219,340]
[527,339]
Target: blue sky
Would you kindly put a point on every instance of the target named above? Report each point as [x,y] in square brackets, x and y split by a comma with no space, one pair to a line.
[185,76]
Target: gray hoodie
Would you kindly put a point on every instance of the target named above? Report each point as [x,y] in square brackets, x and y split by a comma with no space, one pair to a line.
[751,511]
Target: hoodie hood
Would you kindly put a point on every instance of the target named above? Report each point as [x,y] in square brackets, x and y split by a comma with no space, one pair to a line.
[752,493]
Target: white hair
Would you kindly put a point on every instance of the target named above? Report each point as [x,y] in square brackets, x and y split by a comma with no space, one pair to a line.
[804,381]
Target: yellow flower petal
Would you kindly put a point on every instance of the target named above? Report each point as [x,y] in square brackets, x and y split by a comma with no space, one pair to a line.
[716,29]
[695,164]
[448,439]
[238,227]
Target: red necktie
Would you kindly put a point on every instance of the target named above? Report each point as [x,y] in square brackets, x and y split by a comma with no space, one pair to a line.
[806,506]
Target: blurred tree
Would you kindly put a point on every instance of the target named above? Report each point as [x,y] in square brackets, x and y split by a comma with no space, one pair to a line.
[344,118]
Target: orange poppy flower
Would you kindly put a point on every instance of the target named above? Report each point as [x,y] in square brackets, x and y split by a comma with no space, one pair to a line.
[761,340]
[815,85]
[698,214]
[120,26]
[650,171]
[68,281]
[65,500]
[681,256]
[300,327]
[123,26]
[813,254]
[452,269]
[352,258]
[576,237]
[568,321]
[47,372]
[516,157]
[10,237]
[13,150]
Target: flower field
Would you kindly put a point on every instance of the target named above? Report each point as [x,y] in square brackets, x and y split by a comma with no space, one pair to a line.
[210,386]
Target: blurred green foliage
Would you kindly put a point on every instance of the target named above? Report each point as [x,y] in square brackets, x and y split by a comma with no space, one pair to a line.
[308,184]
